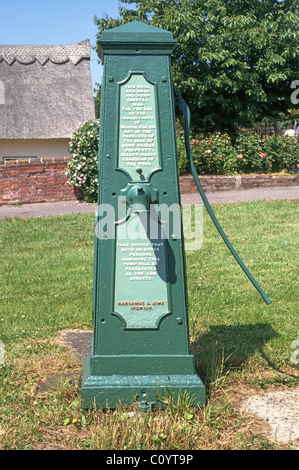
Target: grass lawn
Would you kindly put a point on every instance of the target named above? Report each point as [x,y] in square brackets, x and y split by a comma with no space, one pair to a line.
[241,345]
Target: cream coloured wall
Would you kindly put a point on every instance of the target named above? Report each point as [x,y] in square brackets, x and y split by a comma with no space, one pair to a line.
[41,148]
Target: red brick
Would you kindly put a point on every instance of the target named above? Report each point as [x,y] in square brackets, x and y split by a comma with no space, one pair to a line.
[41,181]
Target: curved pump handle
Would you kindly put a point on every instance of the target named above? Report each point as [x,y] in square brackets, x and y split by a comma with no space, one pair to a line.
[186,112]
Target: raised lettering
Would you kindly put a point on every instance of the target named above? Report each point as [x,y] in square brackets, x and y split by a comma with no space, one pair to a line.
[138,142]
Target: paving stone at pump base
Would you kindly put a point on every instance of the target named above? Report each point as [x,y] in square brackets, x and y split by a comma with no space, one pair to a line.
[78,341]
[53,380]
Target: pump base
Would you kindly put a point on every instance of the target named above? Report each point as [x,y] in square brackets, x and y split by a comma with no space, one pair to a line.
[144,390]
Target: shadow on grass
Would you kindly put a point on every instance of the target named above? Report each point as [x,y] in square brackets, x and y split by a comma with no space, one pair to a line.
[226,347]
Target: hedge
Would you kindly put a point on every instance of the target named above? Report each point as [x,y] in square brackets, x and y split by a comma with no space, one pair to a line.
[213,154]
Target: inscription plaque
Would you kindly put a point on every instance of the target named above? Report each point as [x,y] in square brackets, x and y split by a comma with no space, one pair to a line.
[141,297]
[138,141]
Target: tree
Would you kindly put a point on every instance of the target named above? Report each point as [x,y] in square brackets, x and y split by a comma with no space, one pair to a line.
[235,59]
[97,100]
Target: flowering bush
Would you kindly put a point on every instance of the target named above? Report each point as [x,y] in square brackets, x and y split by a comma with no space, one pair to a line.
[252,158]
[216,154]
[213,154]
[283,152]
[82,169]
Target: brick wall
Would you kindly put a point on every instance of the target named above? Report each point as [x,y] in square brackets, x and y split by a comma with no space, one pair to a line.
[38,180]
[222,183]
[44,180]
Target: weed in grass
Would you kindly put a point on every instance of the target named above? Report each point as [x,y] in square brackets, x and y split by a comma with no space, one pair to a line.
[218,373]
[256,442]
[176,403]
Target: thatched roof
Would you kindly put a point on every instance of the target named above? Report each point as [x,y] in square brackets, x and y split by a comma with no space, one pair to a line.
[46,90]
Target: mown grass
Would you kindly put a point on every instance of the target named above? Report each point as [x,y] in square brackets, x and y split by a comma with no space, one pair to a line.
[241,346]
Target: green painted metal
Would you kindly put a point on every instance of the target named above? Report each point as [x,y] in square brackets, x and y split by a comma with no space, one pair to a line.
[140,314]
[186,112]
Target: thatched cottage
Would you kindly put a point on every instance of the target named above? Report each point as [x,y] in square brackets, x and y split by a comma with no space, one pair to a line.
[45,94]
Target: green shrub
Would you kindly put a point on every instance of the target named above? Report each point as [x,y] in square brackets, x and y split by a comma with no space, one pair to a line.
[252,158]
[283,152]
[216,154]
[183,163]
[213,154]
[82,169]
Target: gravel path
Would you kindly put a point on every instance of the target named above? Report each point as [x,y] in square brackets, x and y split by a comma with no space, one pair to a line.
[218,197]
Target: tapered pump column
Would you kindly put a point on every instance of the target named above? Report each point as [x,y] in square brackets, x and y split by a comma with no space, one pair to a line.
[140,344]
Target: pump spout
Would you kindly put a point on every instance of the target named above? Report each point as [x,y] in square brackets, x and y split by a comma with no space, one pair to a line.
[140,196]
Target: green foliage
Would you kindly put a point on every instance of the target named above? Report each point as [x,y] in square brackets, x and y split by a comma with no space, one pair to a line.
[253,159]
[213,154]
[97,100]
[216,154]
[82,170]
[234,61]
[284,152]
[183,163]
